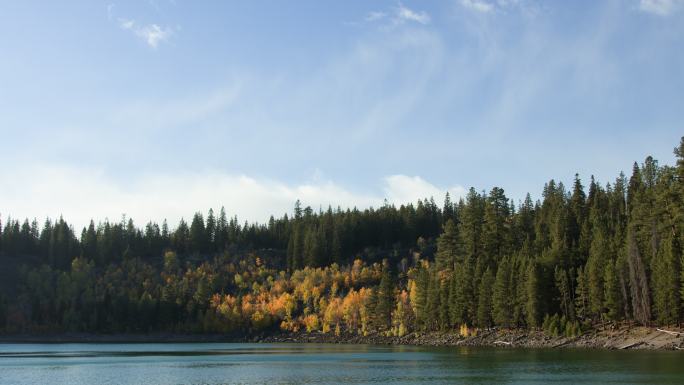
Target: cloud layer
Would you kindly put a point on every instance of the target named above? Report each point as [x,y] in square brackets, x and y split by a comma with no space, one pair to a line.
[80,194]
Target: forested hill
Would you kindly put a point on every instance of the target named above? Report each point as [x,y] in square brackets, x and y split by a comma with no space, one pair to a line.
[580,256]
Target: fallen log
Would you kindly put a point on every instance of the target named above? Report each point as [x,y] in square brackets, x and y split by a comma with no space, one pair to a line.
[676,334]
[502,343]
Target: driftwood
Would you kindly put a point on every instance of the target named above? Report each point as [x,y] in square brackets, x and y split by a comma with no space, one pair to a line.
[631,345]
[502,343]
[676,334]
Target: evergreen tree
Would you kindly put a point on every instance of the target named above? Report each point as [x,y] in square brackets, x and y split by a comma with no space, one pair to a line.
[449,211]
[564,287]
[419,296]
[211,232]
[502,296]
[462,297]
[385,298]
[198,234]
[598,255]
[433,304]
[484,305]
[533,306]
[448,246]
[641,302]
[612,295]
[495,232]
[666,280]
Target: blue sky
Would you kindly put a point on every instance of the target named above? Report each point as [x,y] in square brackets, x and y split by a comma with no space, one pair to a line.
[159,108]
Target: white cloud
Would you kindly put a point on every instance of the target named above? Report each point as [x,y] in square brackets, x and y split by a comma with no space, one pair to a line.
[152,34]
[528,8]
[80,194]
[399,15]
[405,14]
[402,189]
[478,5]
[126,24]
[660,7]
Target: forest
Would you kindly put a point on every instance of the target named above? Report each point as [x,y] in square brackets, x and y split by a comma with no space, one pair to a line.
[578,257]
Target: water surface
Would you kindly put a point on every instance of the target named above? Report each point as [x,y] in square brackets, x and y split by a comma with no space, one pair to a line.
[221,363]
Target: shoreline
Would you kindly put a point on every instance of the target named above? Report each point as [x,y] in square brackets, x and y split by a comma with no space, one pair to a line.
[609,338]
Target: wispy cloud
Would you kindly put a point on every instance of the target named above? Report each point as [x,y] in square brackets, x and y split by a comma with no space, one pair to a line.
[405,14]
[152,34]
[526,7]
[660,7]
[478,5]
[399,15]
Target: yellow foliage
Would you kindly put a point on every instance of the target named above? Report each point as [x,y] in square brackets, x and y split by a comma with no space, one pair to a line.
[465,331]
[311,322]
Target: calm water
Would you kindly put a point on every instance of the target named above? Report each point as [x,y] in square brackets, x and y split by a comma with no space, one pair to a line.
[206,363]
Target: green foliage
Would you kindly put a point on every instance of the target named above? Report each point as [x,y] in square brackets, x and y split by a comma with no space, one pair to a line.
[557,326]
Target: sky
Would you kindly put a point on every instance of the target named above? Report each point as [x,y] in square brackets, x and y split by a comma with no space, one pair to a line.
[160,108]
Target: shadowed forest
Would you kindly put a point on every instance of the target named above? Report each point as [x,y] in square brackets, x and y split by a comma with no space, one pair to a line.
[587,253]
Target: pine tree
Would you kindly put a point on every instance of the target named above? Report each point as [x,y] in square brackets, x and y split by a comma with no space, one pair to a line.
[612,296]
[221,236]
[432,304]
[448,212]
[89,242]
[462,296]
[564,287]
[297,247]
[641,302]
[471,223]
[444,288]
[666,290]
[495,233]
[198,235]
[533,305]
[484,304]
[582,308]
[448,246]
[385,298]
[211,232]
[598,254]
[502,309]
[419,296]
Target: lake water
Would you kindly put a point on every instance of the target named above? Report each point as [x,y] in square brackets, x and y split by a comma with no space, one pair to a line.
[209,363]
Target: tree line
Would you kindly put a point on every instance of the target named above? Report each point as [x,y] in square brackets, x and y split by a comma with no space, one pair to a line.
[577,257]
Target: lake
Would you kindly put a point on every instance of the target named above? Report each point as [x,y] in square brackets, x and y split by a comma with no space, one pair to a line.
[225,363]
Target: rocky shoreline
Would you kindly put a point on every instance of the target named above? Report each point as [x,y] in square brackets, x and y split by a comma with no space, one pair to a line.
[607,338]
[625,337]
